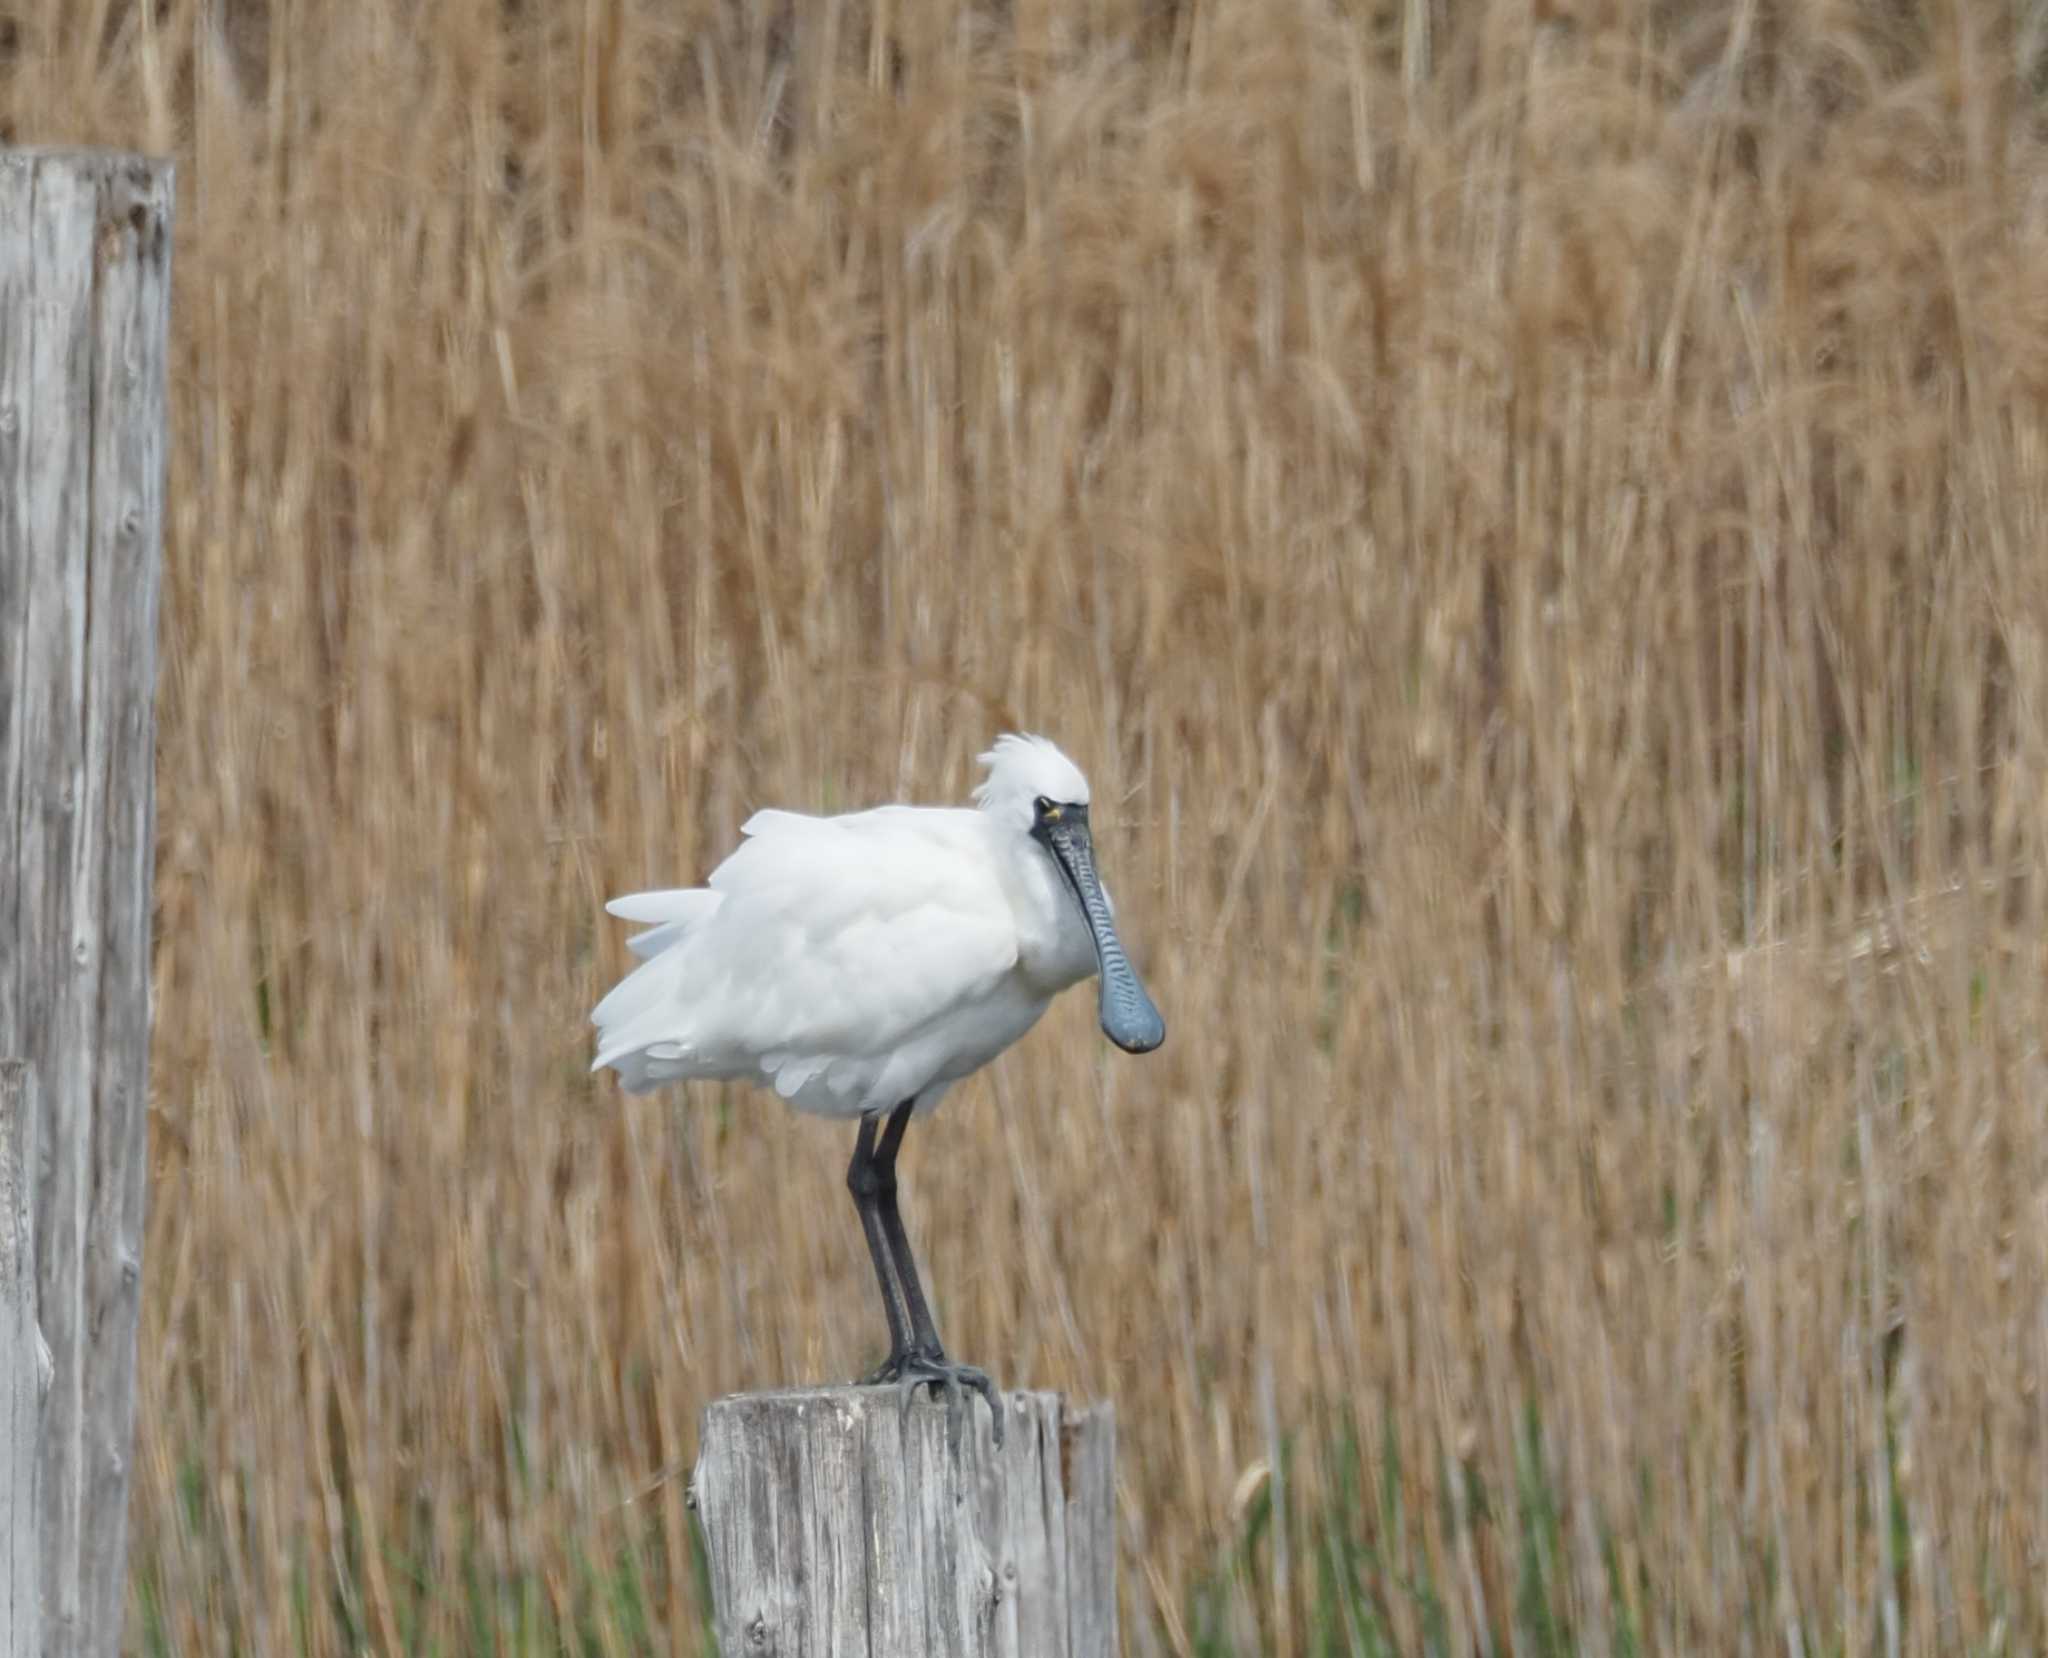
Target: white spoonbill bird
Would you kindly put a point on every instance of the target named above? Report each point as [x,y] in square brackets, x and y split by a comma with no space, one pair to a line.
[860,965]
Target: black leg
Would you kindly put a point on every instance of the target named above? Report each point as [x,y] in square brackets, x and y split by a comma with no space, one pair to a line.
[924,1334]
[864,1180]
[925,1361]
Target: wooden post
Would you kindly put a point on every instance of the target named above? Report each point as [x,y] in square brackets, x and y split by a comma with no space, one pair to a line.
[84,320]
[838,1520]
[24,1367]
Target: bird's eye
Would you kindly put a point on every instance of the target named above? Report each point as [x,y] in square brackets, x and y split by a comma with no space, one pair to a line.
[1047,810]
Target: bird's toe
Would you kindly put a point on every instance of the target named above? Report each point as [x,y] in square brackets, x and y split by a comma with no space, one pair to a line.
[911,1371]
[889,1370]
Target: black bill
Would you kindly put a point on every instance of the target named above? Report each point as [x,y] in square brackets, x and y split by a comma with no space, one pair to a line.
[1129,1018]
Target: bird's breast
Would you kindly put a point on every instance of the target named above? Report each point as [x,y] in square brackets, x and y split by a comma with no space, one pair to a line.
[1054,946]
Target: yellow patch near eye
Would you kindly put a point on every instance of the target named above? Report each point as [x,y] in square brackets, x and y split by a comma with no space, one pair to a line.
[1052,814]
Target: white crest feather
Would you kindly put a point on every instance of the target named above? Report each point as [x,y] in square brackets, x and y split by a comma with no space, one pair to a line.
[1020,769]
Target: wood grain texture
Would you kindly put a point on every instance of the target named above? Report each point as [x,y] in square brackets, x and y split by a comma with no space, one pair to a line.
[24,1367]
[84,311]
[840,1521]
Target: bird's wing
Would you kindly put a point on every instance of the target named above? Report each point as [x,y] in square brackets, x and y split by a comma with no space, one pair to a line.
[833,940]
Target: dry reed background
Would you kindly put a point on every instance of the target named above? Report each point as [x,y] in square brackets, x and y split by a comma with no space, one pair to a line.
[1531,515]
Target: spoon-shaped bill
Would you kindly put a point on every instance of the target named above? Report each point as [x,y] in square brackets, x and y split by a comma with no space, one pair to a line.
[1129,1018]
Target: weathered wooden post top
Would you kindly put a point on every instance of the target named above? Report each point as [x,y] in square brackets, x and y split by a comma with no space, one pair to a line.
[845,1520]
[84,326]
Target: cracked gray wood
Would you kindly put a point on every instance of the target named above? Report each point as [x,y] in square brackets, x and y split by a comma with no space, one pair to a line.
[838,1522]
[84,321]
[24,1367]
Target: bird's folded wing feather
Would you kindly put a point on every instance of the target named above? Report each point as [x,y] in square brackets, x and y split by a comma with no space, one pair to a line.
[832,937]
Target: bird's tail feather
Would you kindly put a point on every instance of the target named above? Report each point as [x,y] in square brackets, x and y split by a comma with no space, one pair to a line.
[669,915]
[643,1025]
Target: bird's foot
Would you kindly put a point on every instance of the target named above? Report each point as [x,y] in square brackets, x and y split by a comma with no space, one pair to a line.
[909,1371]
[889,1370]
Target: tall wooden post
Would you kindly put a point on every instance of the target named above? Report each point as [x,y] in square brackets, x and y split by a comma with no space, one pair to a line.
[84,319]
[841,1520]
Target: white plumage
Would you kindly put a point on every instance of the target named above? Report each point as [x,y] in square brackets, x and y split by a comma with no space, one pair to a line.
[856,962]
